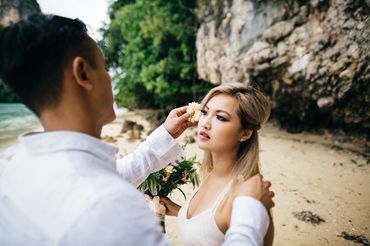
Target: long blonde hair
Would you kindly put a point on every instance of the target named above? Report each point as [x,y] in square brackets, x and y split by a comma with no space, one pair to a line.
[253,110]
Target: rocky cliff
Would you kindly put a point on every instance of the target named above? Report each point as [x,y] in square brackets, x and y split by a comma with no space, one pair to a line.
[310,57]
[13,10]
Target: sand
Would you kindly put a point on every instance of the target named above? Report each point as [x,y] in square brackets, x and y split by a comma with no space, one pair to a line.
[314,173]
[309,172]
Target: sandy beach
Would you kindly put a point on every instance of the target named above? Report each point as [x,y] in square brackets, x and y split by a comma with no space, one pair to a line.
[318,178]
[309,173]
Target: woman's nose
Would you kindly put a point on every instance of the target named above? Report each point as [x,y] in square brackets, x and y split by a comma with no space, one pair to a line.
[207,124]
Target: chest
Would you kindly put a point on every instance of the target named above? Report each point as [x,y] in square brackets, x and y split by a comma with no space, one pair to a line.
[211,200]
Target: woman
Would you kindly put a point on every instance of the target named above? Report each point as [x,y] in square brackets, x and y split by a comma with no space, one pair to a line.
[232,113]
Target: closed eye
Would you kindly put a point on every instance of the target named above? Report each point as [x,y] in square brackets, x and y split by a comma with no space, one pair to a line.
[203,112]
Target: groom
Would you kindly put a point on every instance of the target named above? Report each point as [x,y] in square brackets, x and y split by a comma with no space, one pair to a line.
[64,186]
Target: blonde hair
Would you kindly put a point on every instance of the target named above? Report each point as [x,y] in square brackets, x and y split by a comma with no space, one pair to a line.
[253,110]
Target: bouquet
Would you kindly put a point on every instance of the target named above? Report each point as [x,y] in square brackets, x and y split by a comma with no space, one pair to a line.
[164,181]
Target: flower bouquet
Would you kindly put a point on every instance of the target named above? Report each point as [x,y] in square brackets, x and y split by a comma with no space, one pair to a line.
[164,181]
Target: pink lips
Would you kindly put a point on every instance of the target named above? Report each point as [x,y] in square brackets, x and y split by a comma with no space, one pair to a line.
[203,136]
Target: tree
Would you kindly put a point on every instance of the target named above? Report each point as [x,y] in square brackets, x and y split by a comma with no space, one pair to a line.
[150,46]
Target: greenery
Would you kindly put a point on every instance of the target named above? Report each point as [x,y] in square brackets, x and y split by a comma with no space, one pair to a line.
[6,94]
[150,47]
[163,182]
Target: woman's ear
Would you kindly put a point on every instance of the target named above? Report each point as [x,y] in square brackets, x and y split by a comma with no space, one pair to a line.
[80,71]
[246,135]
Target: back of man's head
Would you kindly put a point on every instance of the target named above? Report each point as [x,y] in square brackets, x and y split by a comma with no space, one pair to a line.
[34,54]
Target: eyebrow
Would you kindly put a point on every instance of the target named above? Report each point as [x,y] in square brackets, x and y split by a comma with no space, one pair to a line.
[219,111]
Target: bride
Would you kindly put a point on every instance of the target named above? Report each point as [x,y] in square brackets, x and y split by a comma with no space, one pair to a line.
[231,115]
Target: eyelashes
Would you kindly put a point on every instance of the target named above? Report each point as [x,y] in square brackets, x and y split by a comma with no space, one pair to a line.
[218,117]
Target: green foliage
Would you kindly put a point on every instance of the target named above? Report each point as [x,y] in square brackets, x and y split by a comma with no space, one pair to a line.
[163,182]
[150,46]
[6,94]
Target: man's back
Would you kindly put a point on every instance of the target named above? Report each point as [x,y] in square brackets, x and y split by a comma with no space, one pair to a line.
[65,188]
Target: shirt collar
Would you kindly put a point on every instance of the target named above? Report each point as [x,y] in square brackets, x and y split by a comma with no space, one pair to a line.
[48,142]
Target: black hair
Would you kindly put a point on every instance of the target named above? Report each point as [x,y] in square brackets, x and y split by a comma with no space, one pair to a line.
[34,53]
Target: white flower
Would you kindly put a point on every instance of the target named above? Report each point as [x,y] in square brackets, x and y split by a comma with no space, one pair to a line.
[169,169]
[195,107]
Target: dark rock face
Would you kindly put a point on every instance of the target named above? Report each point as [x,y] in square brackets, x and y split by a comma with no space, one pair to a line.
[310,57]
[13,10]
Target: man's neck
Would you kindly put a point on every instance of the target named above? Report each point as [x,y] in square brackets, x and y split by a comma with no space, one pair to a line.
[60,120]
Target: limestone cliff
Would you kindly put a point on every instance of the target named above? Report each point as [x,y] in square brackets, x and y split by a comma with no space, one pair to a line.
[310,57]
[13,10]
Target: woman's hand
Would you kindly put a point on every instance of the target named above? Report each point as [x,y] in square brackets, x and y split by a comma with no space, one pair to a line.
[172,209]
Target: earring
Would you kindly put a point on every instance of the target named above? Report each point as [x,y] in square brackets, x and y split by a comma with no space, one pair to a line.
[242,140]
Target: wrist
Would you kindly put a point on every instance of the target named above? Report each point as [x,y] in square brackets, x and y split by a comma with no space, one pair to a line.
[167,128]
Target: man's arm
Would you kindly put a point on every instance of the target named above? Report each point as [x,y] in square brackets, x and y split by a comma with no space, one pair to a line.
[159,150]
[249,219]
[156,152]
[249,222]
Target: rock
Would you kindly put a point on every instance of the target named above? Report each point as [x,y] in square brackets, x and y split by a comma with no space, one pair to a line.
[310,54]
[278,31]
[109,139]
[325,102]
[11,11]
[127,125]
[300,64]
[279,61]
[309,217]
[189,139]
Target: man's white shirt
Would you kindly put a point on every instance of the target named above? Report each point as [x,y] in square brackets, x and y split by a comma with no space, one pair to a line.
[66,188]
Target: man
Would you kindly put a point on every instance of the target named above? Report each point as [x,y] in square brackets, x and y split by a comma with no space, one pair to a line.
[64,187]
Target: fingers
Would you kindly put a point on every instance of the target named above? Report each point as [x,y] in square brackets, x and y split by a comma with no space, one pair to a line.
[181,110]
[186,115]
[191,124]
[271,205]
[266,184]
[182,114]
[271,194]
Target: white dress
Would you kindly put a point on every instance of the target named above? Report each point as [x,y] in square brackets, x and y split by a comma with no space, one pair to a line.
[202,229]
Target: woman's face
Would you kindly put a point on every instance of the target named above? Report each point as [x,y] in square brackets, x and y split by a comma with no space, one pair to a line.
[219,128]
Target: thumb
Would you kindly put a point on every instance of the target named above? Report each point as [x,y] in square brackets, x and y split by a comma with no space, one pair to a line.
[186,115]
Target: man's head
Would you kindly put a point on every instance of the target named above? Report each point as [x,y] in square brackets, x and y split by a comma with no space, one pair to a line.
[34,53]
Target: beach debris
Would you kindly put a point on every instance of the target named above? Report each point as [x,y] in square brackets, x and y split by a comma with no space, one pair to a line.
[189,139]
[132,129]
[309,217]
[109,139]
[354,238]
[127,125]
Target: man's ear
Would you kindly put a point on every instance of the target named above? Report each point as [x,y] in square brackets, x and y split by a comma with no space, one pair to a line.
[80,72]
[246,135]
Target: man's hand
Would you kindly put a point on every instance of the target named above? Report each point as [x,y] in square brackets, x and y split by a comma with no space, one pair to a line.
[177,121]
[256,188]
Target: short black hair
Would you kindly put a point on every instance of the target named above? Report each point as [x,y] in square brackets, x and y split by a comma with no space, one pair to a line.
[34,53]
